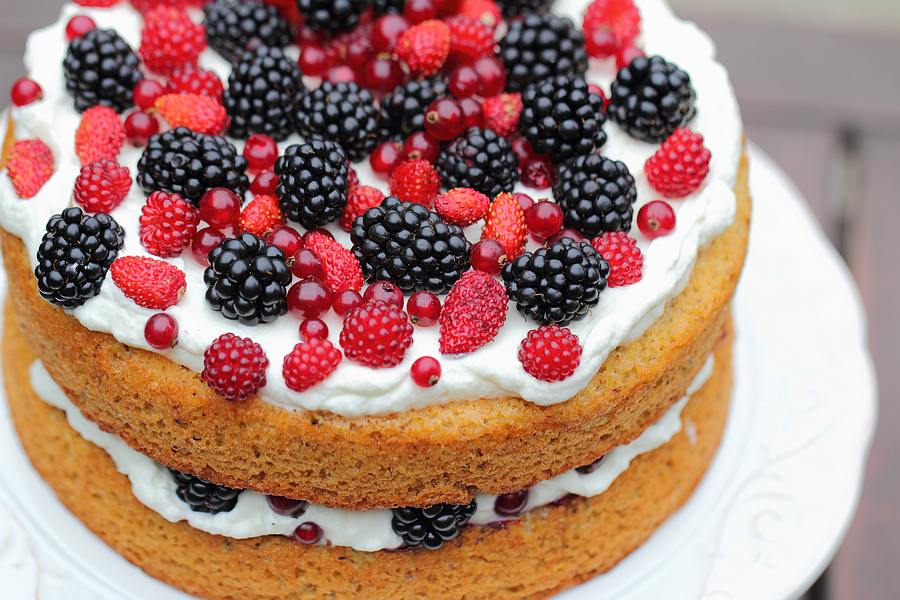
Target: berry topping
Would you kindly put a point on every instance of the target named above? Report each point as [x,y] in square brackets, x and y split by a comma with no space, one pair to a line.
[204,242]
[415,181]
[506,224]
[100,68]
[385,291]
[488,256]
[235,27]
[596,194]
[25,91]
[469,39]
[346,301]
[313,328]
[656,219]
[424,47]
[403,109]
[332,16]
[203,496]
[29,166]
[78,26]
[425,371]
[307,264]
[424,308]
[191,79]
[623,255]
[308,299]
[550,353]
[680,165]
[501,113]
[511,505]
[100,134]
[170,40]
[285,238]
[220,207]
[444,119]
[102,185]
[261,216]
[161,331]
[544,220]
[342,269]
[149,282]
[312,184]
[473,313]
[261,152]
[310,362]
[376,334]
[198,113]
[234,367]
[140,127]
[385,158]
[619,17]
[344,113]
[462,206]
[146,92]
[539,46]
[360,199]
[430,527]
[479,159]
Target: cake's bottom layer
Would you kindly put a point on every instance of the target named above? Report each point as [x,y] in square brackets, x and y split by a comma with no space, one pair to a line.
[549,549]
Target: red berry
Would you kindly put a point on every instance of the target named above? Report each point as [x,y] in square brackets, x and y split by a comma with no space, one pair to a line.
[473,313]
[29,166]
[148,282]
[161,331]
[360,198]
[235,367]
[287,507]
[620,18]
[167,224]
[314,60]
[220,207]
[488,256]
[511,505]
[426,371]
[191,79]
[501,113]
[264,183]
[680,165]
[204,242]
[623,255]
[285,238]
[483,11]
[202,114]
[341,74]
[424,47]
[424,308]
[443,119]
[100,134]
[140,127]
[346,301]
[261,151]
[473,114]
[600,42]
[469,39]
[261,216]
[342,269]
[550,353]
[385,158]
[382,74]
[307,264]
[539,173]
[384,291]
[308,299]
[416,11]
[170,40]
[102,185]
[386,30]
[376,335]
[505,223]
[566,233]
[313,328]
[656,219]
[464,82]
[308,533]
[525,201]
[462,206]
[544,219]
[420,146]
[625,55]
[352,178]
[78,26]
[415,181]
[25,91]
[146,92]
[310,362]
[523,150]
[492,74]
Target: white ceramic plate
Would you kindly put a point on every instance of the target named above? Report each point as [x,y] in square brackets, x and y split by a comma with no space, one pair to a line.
[763,524]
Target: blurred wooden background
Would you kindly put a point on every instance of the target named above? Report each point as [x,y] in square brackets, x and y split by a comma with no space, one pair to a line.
[819,84]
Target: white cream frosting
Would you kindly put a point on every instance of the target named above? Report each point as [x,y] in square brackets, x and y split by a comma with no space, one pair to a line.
[364,530]
[623,313]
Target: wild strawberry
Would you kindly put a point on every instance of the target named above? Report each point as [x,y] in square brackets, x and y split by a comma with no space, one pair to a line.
[310,362]
[424,47]
[149,282]
[416,181]
[102,185]
[191,79]
[483,11]
[501,113]
[170,40]
[550,353]
[167,224]
[235,367]
[261,216]
[462,206]
[29,166]
[623,255]
[360,198]
[620,17]
[505,223]
[376,334]
[342,270]
[469,39]
[198,113]
[680,165]
[473,313]
[99,135]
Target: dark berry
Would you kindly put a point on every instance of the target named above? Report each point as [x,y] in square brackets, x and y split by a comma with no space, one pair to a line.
[479,159]
[202,496]
[312,185]
[332,16]
[403,110]
[515,8]
[596,194]
[233,27]
[101,68]
[430,527]
[539,46]
[588,469]
[343,113]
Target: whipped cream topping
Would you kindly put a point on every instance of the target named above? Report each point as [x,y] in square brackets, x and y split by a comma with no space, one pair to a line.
[623,313]
[364,530]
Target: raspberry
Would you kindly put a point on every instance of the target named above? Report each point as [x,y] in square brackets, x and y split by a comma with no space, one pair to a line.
[501,113]
[261,216]
[376,334]
[235,367]
[102,185]
[424,47]
[149,282]
[623,255]
[360,198]
[99,135]
[550,353]
[505,223]
[191,79]
[621,17]
[473,313]
[680,165]
[462,206]
[309,363]
[170,40]
[29,166]
[342,270]
[484,11]
[198,113]
[167,224]
[416,181]
[469,39]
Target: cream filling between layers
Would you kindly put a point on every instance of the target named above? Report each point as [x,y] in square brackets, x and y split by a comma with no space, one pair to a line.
[364,530]
[623,313]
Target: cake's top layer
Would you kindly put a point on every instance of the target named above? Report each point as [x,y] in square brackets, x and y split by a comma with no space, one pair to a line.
[354,389]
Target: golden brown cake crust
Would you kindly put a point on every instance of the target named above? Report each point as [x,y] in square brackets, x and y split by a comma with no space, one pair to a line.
[437,454]
[549,549]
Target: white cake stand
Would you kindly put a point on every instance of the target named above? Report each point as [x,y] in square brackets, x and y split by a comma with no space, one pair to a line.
[765,521]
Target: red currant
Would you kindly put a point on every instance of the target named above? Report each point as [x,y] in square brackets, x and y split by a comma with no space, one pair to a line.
[261,152]
[544,219]
[382,74]
[656,219]
[264,183]
[523,150]
[204,242]
[308,533]
[386,31]
[385,291]
[146,92]
[78,26]
[346,301]
[308,299]
[525,201]
[443,119]
[25,91]
[313,328]
[626,54]
[385,157]
[464,82]
[488,256]
[420,146]
[140,127]
[566,233]
[492,74]
[423,308]
[426,371]
[161,331]
[220,207]
[358,51]
[511,505]
[538,173]
[314,60]
[417,11]
[307,264]
[287,506]
[600,42]
[472,112]
[341,74]
[285,238]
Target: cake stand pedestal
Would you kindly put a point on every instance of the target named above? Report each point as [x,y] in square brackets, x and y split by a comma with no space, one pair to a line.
[764,522]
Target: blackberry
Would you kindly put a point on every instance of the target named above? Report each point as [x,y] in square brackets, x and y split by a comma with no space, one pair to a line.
[561,118]
[264,93]
[410,245]
[247,280]
[515,8]
[189,163]
[480,159]
[596,194]
[541,45]
[74,256]
[344,113]
[203,496]
[101,68]
[557,284]
[403,109]
[312,182]
[233,26]
[383,7]
[651,98]
[430,527]
[332,16]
